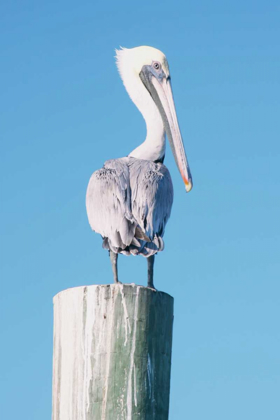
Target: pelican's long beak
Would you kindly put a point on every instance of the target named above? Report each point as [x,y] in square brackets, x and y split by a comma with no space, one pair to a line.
[159,87]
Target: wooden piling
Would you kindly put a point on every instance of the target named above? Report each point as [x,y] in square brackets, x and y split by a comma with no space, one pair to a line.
[112,353]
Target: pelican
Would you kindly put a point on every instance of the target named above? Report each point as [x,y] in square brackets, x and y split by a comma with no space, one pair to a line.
[129,200]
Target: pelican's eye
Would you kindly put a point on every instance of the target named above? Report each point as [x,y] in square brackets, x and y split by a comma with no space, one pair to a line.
[156,65]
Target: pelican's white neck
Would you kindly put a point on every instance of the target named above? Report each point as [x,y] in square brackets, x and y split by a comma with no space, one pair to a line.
[153,148]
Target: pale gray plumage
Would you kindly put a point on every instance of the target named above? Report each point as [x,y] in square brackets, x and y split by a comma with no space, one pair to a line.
[129,202]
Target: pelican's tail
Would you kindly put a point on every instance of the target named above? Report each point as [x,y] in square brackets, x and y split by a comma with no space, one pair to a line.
[145,246]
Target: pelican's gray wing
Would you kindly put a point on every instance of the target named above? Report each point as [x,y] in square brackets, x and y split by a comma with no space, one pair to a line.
[108,204]
[151,196]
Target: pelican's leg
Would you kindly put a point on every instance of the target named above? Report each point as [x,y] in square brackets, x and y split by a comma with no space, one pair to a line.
[114,262]
[151,261]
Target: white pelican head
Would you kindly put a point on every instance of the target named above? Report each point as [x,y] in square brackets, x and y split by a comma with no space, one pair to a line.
[145,74]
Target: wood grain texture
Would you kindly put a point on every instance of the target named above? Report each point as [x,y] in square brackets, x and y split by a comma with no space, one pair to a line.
[112,353]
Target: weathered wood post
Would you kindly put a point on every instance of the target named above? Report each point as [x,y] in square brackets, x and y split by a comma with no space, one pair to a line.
[112,353]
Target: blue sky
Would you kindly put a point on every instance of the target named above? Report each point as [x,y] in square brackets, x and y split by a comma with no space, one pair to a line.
[64,112]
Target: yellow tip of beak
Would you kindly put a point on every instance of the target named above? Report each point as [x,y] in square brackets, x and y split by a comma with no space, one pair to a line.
[188,186]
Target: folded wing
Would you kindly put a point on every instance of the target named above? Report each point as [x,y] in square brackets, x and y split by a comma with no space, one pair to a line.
[151,196]
[109,205]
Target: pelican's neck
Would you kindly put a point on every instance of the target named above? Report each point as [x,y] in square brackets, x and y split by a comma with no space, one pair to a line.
[153,148]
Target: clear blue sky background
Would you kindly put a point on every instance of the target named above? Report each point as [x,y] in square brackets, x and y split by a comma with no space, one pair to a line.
[64,112]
